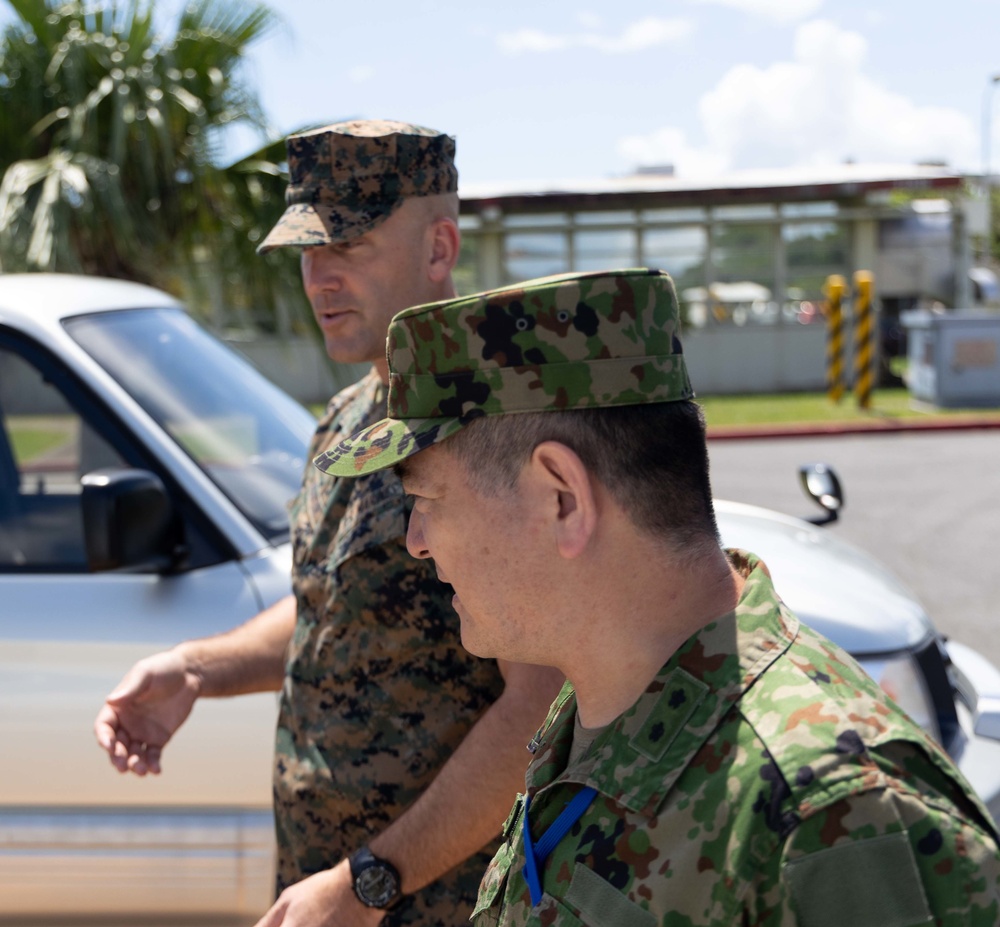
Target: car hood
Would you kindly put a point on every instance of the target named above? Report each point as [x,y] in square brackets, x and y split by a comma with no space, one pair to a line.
[832,586]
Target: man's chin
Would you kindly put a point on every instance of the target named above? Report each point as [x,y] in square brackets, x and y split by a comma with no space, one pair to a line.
[468,627]
[341,353]
[475,647]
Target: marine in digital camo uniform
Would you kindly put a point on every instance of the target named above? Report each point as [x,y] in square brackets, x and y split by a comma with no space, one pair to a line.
[378,690]
[761,778]
[397,753]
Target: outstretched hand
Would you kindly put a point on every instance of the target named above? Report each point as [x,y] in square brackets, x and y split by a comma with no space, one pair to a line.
[325,899]
[145,710]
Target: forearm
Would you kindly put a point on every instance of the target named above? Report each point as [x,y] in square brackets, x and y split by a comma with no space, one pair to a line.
[466,804]
[249,658]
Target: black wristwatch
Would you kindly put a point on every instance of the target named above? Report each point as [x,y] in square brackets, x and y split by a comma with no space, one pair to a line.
[376,881]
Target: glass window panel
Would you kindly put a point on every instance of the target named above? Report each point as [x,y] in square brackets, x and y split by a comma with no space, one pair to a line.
[528,255]
[618,217]
[794,210]
[243,432]
[749,211]
[529,220]
[813,251]
[466,272]
[678,251]
[604,250]
[689,214]
[45,447]
[743,275]
[744,252]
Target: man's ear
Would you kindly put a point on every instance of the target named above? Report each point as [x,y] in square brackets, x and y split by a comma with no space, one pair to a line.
[569,494]
[445,242]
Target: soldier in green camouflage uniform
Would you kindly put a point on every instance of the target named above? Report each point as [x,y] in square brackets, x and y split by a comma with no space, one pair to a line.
[710,761]
[384,717]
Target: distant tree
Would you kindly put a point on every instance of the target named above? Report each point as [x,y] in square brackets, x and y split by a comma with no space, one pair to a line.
[111,149]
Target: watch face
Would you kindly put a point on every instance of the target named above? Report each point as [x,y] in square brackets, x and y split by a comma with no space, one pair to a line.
[376,885]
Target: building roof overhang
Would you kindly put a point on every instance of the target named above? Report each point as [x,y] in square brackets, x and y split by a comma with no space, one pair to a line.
[846,182]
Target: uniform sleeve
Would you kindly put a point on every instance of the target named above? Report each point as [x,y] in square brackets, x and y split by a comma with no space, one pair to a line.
[887,858]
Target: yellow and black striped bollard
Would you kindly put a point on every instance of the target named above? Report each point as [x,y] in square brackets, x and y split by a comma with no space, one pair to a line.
[834,291]
[864,338]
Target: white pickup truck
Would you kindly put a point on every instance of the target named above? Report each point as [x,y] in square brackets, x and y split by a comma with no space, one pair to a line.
[144,473]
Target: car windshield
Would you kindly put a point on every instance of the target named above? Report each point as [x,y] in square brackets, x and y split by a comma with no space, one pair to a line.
[245,433]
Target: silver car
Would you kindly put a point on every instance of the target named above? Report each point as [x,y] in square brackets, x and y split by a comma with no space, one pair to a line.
[144,473]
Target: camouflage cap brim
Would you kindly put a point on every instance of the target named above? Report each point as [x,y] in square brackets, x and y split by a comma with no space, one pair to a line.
[385,444]
[304,225]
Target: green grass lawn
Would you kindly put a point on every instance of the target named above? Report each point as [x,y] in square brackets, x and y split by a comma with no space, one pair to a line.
[30,442]
[804,408]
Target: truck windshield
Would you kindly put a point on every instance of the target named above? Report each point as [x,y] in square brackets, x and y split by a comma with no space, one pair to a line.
[245,433]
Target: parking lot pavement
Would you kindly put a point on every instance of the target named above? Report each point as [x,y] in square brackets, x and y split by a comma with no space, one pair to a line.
[926,504]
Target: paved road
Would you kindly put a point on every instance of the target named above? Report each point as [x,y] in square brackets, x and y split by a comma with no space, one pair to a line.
[926,504]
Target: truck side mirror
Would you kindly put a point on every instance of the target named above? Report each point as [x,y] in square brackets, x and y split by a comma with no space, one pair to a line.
[128,521]
[820,483]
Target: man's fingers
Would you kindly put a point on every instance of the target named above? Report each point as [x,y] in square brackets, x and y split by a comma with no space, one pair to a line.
[111,738]
[105,728]
[153,759]
[137,760]
[119,756]
[275,916]
[144,759]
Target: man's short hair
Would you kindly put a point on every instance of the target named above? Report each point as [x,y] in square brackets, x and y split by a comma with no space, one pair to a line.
[652,459]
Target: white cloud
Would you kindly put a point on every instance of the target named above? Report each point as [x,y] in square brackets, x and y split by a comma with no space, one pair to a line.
[669,146]
[361,73]
[819,108]
[644,33]
[781,11]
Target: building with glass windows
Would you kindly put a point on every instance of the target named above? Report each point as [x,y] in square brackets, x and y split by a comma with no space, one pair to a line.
[750,253]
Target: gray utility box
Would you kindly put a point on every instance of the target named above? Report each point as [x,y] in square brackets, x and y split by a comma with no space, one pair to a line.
[954,357]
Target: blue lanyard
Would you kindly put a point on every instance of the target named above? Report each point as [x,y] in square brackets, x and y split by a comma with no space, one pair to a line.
[536,854]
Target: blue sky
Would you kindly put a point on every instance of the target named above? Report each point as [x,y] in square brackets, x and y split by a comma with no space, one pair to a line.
[575,89]
[585,89]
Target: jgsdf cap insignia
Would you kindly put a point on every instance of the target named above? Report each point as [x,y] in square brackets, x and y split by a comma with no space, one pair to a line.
[575,341]
[346,178]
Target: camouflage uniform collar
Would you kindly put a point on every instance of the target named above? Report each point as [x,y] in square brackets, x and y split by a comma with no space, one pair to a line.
[659,736]
[372,386]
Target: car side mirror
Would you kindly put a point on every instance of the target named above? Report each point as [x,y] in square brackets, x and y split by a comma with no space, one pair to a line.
[820,483]
[128,522]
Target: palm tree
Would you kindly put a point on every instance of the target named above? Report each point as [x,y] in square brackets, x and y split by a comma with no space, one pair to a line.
[111,142]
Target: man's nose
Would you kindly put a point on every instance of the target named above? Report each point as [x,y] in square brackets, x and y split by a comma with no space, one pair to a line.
[415,542]
[320,271]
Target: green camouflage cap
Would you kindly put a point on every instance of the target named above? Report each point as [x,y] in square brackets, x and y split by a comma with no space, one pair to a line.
[346,178]
[575,341]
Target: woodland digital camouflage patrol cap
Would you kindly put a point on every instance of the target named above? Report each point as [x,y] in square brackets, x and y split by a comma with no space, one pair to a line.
[576,341]
[346,178]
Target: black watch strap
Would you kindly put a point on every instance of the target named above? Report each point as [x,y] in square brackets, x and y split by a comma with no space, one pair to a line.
[376,881]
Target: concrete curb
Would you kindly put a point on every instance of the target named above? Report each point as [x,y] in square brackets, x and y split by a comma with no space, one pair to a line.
[833,429]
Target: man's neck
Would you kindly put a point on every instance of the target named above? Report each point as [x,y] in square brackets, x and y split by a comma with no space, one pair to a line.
[445,290]
[631,641]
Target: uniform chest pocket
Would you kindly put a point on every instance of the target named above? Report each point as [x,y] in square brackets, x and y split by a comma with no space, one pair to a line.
[599,902]
[492,888]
